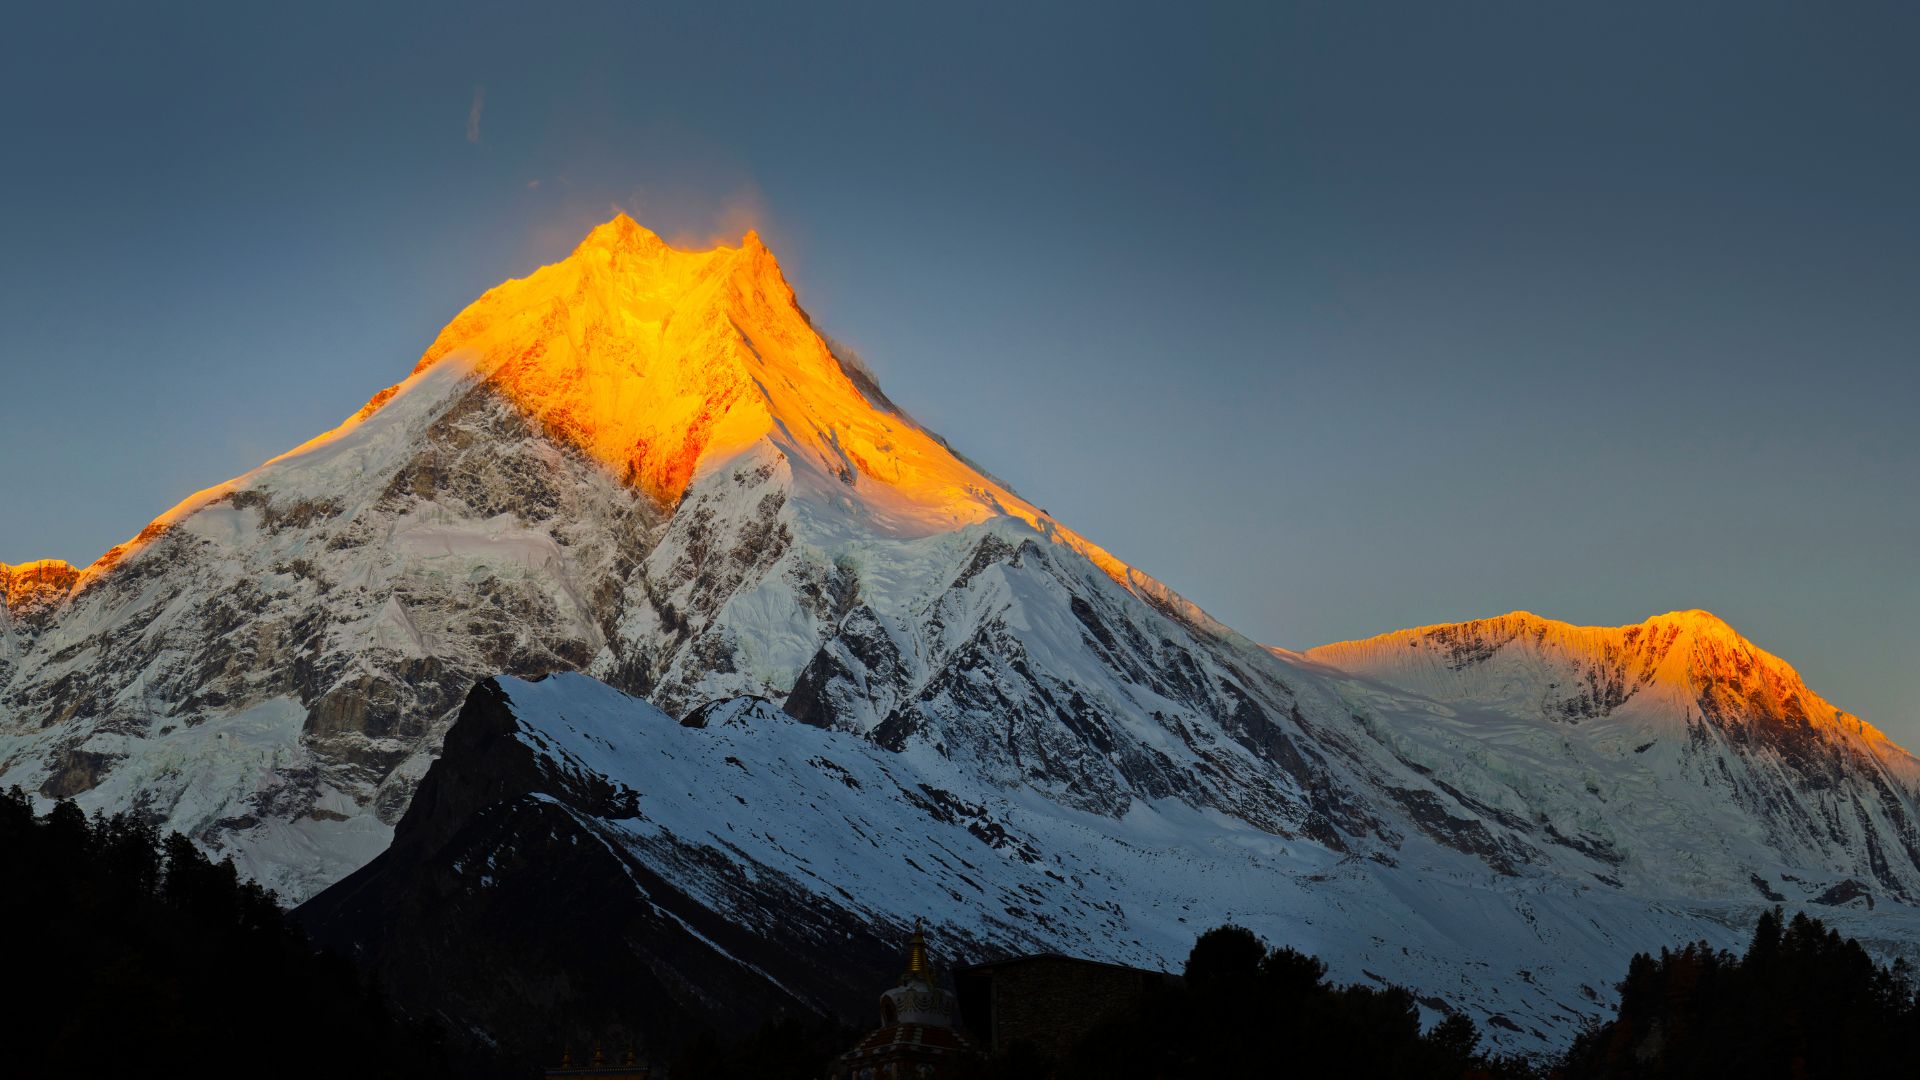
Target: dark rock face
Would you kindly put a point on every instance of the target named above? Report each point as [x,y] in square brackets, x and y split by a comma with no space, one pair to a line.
[503,903]
[74,772]
[1095,734]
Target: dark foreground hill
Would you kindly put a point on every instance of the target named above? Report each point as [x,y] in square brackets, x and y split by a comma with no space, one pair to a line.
[507,903]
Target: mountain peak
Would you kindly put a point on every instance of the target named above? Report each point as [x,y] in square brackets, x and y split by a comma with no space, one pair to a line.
[622,234]
[660,362]
[652,359]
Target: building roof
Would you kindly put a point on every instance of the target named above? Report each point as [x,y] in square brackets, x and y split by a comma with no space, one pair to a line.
[911,1040]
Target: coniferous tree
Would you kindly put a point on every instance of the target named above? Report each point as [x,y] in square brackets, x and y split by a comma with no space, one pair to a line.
[1801,1001]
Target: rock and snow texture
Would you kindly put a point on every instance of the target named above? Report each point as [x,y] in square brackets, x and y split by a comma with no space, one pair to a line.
[266,670]
[646,465]
[639,461]
[805,843]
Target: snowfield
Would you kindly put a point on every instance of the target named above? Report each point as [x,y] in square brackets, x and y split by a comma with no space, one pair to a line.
[890,836]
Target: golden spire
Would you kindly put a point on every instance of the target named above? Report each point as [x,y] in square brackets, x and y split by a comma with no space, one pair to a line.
[918,968]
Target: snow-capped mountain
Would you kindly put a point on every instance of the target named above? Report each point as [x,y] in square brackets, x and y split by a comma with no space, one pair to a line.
[645,464]
[639,461]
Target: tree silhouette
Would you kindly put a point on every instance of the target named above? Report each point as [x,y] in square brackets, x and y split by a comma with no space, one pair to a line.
[145,956]
[1245,1009]
[1800,1002]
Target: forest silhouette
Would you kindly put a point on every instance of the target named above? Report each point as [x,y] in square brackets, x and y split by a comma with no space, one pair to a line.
[138,952]
[134,953]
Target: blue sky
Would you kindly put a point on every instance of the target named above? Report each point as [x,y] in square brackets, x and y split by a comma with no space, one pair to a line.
[1337,318]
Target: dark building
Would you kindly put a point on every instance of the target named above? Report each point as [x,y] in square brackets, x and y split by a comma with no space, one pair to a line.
[1047,1000]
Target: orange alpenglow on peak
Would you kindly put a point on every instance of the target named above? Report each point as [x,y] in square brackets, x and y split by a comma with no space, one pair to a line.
[658,361]
[650,358]
[621,233]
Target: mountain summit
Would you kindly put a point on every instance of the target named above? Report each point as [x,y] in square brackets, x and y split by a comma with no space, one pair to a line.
[650,359]
[772,592]
[658,362]
[35,585]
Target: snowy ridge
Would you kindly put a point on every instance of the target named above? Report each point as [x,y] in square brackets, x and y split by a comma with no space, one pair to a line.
[269,666]
[1699,760]
[1520,662]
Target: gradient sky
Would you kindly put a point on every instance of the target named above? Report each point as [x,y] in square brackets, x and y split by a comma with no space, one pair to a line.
[1337,318]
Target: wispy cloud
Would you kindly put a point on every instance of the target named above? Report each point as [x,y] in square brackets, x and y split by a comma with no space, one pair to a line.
[473,113]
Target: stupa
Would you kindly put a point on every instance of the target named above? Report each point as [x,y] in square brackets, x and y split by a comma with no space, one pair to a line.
[918,1037]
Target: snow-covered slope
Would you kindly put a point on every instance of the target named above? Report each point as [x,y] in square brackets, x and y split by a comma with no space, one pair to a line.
[645,464]
[266,667]
[741,845]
